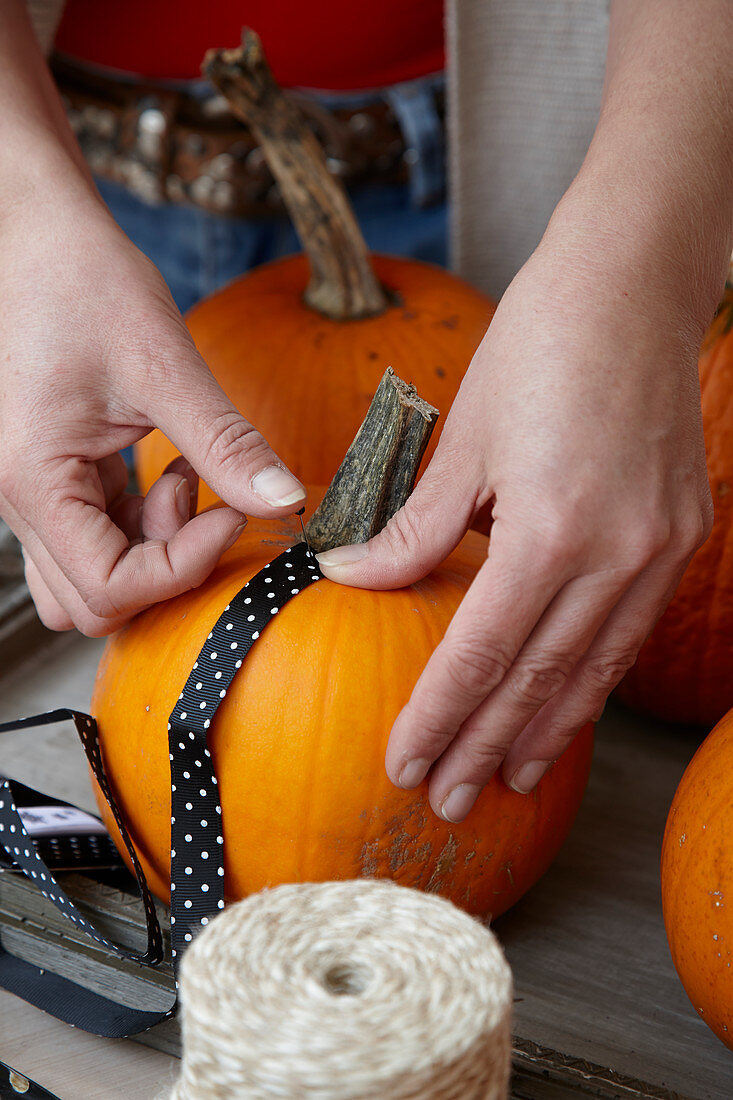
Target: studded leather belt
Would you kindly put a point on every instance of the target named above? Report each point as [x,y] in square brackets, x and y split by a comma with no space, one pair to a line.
[168,145]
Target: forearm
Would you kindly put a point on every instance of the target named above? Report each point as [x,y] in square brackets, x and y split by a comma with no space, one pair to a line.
[657,184]
[38,152]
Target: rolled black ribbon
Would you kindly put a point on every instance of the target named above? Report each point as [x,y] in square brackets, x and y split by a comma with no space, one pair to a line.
[197,841]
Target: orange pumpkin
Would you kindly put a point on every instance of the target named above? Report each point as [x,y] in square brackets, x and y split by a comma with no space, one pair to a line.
[300,345]
[697,880]
[305,380]
[684,671]
[298,743]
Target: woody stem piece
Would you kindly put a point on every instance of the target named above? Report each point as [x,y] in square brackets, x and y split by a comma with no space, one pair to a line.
[343,285]
[379,470]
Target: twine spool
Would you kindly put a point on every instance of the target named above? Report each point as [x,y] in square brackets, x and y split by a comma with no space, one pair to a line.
[359,990]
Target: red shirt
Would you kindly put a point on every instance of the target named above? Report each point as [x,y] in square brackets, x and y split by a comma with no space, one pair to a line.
[329,44]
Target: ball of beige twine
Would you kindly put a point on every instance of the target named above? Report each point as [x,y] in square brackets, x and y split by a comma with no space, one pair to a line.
[345,991]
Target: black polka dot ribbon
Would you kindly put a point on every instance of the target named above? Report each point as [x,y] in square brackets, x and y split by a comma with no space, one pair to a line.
[197,840]
[197,843]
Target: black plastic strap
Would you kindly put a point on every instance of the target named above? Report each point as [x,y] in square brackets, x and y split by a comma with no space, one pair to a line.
[197,841]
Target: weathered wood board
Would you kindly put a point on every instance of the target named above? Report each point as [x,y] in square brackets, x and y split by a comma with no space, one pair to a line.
[599,1011]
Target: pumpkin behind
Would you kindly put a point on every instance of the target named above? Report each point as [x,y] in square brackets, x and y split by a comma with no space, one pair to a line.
[697,880]
[306,380]
[684,671]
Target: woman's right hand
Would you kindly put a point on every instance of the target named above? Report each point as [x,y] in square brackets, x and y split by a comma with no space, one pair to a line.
[94,355]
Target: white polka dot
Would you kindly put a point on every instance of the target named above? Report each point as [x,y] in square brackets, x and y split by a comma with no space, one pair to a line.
[186,775]
[230,626]
[202,704]
[189,805]
[248,599]
[222,694]
[207,723]
[199,685]
[295,591]
[274,610]
[204,920]
[183,714]
[250,618]
[220,840]
[204,855]
[188,838]
[239,663]
[187,903]
[234,645]
[220,872]
[188,870]
[255,636]
[213,655]
[204,888]
[220,904]
[217,675]
[188,937]
[180,746]
[202,792]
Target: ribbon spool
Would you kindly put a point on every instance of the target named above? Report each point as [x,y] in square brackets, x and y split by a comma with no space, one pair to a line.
[345,991]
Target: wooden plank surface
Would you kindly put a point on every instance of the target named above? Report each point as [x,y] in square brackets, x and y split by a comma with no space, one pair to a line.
[593,976]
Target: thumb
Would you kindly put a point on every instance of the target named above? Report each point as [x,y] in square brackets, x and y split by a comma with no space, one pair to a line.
[224,448]
[417,538]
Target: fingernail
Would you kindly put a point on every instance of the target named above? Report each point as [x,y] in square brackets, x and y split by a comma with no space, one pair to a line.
[235,535]
[413,773]
[459,802]
[183,498]
[277,486]
[343,555]
[528,776]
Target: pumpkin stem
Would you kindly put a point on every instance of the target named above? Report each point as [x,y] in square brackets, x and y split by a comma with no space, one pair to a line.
[378,473]
[343,285]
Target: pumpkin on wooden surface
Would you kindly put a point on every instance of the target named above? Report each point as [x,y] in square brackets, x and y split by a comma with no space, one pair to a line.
[697,880]
[298,743]
[299,344]
[684,671]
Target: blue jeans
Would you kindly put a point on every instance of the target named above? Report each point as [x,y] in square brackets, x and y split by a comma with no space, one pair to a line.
[197,252]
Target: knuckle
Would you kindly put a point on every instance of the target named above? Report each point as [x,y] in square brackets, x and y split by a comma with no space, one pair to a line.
[481,758]
[404,531]
[693,529]
[604,672]
[233,440]
[475,667]
[556,538]
[534,682]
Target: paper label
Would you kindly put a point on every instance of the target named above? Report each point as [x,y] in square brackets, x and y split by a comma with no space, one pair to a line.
[59,821]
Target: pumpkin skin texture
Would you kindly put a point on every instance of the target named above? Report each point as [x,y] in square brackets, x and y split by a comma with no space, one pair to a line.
[697,880]
[298,743]
[305,381]
[684,671]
